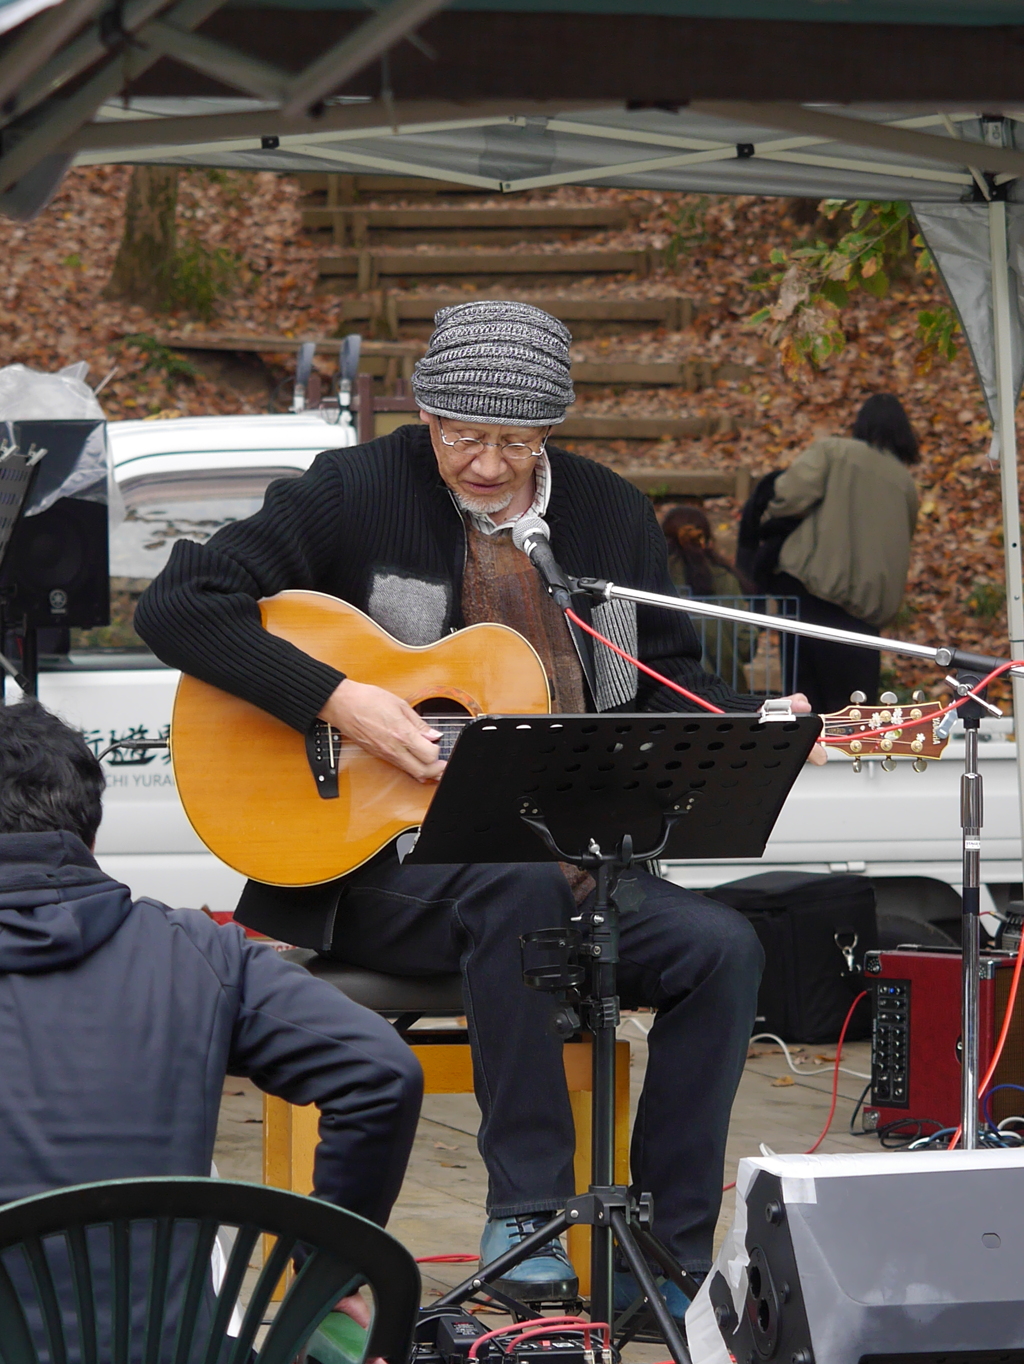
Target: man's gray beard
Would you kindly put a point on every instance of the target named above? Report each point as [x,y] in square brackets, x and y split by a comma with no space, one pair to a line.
[481,506]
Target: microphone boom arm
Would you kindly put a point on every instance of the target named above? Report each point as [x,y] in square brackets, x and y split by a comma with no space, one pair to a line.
[942,657]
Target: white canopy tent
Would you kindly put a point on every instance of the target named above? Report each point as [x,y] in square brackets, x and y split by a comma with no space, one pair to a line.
[959,168]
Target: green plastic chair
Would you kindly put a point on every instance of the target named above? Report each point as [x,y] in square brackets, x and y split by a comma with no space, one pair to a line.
[120,1273]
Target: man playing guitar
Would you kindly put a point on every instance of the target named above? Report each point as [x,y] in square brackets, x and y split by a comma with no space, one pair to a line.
[414,529]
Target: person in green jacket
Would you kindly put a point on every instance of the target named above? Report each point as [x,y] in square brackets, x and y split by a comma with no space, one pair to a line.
[847,560]
[696,565]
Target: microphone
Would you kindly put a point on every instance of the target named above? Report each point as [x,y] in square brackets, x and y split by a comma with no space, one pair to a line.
[532,535]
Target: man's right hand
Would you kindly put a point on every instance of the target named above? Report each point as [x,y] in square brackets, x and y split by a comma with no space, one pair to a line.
[385,726]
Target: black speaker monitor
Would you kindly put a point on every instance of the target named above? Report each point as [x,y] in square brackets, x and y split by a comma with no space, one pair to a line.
[57,568]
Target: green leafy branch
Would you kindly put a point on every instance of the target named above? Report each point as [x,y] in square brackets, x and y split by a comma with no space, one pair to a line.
[813,284]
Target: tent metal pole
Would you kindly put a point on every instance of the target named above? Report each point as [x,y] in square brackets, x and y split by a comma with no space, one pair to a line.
[1006,429]
[971,809]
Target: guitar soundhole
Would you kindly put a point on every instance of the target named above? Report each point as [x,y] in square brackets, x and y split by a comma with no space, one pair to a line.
[449,716]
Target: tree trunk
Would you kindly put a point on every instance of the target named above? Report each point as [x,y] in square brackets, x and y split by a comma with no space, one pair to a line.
[142,269]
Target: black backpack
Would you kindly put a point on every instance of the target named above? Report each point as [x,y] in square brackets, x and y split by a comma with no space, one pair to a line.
[814,929]
[758,546]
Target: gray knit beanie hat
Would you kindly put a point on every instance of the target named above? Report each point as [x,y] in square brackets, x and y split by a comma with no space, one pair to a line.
[503,363]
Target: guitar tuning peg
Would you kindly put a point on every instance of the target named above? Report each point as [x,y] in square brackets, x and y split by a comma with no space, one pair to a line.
[889,698]
[919,695]
[888,764]
[857,764]
[920,765]
[857,698]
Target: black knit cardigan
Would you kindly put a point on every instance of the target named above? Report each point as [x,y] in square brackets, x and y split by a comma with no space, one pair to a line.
[376,526]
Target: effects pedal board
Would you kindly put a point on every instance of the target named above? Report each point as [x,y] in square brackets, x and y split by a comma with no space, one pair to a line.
[916,1043]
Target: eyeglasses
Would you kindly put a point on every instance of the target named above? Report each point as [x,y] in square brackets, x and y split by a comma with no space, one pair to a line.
[470,446]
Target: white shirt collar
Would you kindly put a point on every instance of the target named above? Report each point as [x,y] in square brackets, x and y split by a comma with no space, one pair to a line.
[542,478]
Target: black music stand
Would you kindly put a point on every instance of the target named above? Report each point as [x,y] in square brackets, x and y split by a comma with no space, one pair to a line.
[603,792]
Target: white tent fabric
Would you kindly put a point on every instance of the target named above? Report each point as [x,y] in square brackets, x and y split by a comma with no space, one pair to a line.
[958,237]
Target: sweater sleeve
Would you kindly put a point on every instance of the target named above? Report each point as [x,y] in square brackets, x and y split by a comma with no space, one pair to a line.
[667,640]
[802,485]
[301,1039]
[201,614]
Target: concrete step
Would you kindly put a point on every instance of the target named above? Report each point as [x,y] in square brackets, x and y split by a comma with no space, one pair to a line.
[689,374]
[391,312]
[349,188]
[615,427]
[394,358]
[367,267]
[449,225]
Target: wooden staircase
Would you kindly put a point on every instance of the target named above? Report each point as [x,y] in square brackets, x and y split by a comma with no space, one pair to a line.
[396,250]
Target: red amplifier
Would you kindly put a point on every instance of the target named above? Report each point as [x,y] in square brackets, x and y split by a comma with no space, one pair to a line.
[915,1048]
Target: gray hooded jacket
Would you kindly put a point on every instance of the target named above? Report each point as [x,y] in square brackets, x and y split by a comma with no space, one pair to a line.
[119,1021]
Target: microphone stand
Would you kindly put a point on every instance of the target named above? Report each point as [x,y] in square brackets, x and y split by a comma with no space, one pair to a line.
[971,669]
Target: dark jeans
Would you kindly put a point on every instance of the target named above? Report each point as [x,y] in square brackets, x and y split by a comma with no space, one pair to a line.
[698,963]
[827,673]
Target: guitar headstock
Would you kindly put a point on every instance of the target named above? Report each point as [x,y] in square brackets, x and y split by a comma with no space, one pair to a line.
[914,736]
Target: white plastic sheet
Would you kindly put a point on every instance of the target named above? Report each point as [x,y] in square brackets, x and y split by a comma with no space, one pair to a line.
[31,395]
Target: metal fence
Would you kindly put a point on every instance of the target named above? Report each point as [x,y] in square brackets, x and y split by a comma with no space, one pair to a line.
[751,660]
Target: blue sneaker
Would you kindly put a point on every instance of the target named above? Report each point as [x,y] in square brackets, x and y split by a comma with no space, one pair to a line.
[627,1290]
[545,1276]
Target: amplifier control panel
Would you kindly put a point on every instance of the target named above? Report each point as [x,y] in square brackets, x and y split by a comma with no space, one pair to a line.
[890,1044]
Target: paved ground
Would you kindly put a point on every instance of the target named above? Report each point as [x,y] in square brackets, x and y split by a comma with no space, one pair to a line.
[440,1210]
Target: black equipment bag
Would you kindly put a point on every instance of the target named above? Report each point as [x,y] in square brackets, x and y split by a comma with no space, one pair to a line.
[814,929]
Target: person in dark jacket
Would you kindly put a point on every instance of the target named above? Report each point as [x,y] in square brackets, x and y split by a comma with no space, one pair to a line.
[120,1019]
[413,529]
[696,565]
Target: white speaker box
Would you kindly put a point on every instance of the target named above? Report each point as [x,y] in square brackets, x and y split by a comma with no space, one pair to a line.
[882,1258]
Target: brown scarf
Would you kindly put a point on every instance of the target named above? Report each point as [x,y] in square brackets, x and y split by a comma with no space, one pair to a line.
[500,584]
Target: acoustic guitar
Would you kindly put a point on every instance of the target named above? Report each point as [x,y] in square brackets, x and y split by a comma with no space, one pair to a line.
[297,810]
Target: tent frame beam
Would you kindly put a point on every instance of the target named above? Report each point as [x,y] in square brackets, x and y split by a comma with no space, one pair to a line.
[144,39]
[65,116]
[367,118]
[862,132]
[217,60]
[37,43]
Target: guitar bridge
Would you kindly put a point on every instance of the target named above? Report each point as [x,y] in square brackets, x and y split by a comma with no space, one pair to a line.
[323,750]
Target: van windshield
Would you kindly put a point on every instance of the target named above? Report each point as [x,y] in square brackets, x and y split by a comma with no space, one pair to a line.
[161,509]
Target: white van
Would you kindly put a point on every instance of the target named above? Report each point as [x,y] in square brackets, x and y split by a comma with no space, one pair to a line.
[182,478]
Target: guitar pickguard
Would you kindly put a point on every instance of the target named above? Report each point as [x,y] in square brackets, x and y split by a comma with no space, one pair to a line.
[323,749]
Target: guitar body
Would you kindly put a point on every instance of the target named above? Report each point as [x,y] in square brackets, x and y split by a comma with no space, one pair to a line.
[245,779]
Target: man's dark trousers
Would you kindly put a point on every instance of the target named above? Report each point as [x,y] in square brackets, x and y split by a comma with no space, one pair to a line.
[698,963]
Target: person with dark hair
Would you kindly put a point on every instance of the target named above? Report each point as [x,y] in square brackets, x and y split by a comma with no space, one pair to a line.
[119,1020]
[694,563]
[848,556]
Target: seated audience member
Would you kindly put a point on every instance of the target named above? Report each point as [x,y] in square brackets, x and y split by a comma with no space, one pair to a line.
[120,1019]
[696,566]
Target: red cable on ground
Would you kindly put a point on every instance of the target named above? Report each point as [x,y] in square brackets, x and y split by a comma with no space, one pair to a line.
[835,1081]
[1004,1032]
[835,1074]
[576,1323]
[446,1259]
[690,696]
